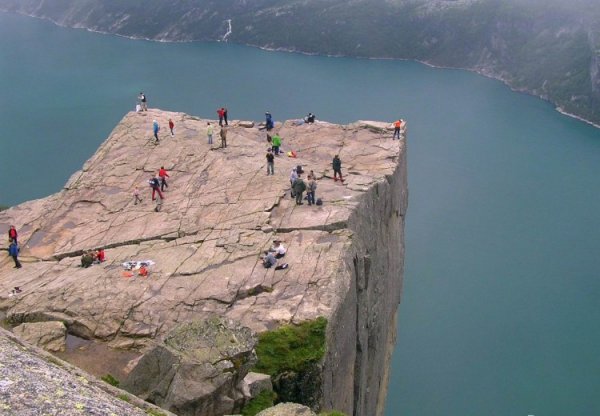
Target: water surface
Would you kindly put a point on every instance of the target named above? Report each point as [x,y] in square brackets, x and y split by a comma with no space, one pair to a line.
[500,312]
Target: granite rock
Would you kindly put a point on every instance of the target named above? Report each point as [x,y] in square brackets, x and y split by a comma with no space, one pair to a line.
[50,336]
[219,213]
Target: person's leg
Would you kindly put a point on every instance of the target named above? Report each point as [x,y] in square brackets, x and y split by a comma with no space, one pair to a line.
[160,194]
[17,262]
[154,193]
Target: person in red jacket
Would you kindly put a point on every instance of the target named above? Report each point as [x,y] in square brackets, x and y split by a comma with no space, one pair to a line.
[12,234]
[221,114]
[171,127]
[162,173]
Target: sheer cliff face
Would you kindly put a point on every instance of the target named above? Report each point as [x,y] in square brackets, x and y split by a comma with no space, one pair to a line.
[548,48]
[363,329]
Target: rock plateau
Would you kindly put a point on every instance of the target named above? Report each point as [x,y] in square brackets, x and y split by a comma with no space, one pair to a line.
[220,212]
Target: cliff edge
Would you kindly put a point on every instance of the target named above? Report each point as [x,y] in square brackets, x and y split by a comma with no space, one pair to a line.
[219,213]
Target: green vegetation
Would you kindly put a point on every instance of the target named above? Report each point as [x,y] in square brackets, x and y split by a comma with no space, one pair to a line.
[332,413]
[124,397]
[264,400]
[291,347]
[152,412]
[110,380]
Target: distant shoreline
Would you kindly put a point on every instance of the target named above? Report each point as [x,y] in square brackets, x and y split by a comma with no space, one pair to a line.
[557,107]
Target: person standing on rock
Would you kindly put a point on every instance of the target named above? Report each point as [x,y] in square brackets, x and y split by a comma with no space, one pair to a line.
[293,177]
[270,162]
[276,143]
[299,188]
[223,134]
[397,126]
[155,130]
[269,124]
[171,127]
[311,190]
[136,196]
[221,115]
[337,168]
[163,175]
[143,103]
[209,132]
[225,116]
[12,234]
[155,185]
[159,201]
[13,251]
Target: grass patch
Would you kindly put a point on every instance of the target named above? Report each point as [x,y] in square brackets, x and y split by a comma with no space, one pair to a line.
[332,413]
[152,412]
[291,347]
[110,380]
[124,397]
[264,400]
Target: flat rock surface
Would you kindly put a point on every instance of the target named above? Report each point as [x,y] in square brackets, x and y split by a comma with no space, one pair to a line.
[220,212]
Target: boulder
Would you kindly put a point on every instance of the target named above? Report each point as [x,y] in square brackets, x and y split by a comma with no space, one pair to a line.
[50,336]
[287,409]
[255,383]
[246,124]
[198,370]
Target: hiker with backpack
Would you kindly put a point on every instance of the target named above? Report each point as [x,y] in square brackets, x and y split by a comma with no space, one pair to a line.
[155,185]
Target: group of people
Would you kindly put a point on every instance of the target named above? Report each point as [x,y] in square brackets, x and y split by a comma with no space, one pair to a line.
[298,186]
[158,184]
[92,257]
[271,256]
[222,114]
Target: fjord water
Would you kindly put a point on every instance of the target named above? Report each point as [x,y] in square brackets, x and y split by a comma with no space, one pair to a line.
[500,312]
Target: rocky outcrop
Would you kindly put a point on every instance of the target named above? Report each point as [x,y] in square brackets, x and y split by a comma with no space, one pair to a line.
[287,409]
[219,213]
[199,369]
[50,336]
[33,382]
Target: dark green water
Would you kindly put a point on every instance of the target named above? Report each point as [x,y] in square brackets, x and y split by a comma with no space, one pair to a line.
[501,306]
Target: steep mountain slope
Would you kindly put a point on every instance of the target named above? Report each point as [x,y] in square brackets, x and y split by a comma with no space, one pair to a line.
[549,48]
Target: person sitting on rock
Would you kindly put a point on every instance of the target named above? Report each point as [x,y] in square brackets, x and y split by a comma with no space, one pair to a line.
[143,271]
[310,118]
[269,259]
[100,256]
[269,124]
[87,259]
[278,249]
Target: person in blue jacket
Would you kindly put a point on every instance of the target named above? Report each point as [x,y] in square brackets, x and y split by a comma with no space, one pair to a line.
[13,251]
[155,129]
[269,121]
